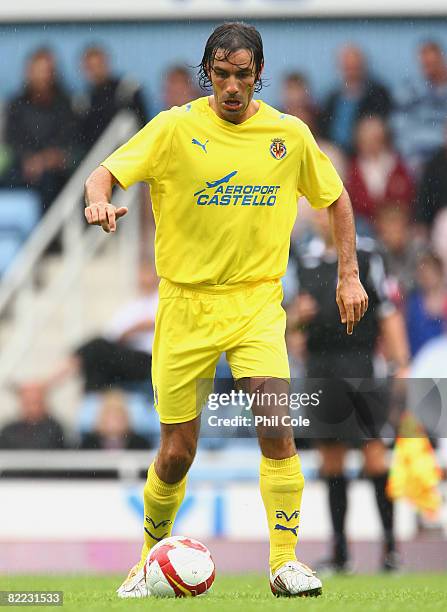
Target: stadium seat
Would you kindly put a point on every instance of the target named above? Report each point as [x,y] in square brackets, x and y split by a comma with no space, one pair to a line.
[142,415]
[20,213]
[20,209]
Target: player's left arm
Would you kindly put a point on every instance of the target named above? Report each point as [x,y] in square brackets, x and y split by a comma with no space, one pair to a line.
[351,297]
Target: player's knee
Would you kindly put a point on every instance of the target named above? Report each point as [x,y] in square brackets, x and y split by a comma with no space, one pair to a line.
[176,460]
[182,457]
[277,448]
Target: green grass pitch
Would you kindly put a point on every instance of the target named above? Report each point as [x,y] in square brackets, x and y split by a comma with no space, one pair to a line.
[246,593]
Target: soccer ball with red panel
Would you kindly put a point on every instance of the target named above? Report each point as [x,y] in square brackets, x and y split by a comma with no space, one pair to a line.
[179,567]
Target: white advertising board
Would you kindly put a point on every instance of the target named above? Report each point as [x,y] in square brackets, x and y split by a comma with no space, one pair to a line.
[61,511]
[106,10]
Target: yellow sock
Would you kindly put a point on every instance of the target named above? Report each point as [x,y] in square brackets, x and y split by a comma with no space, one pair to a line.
[282,483]
[161,503]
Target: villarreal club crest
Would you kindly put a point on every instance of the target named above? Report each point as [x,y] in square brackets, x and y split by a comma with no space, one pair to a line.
[278,148]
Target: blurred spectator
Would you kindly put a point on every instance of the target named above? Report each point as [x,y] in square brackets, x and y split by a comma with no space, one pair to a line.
[427,305]
[123,355]
[41,129]
[401,250]
[376,174]
[35,428]
[432,195]
[178,87]
[421,108]
[296,349]
[112,430]
[107,95]
[5,152]
[297,101]
[430,360]
[332,359]
[357,96]
[439,237]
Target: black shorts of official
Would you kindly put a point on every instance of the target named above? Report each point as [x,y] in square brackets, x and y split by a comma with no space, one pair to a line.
[353,407]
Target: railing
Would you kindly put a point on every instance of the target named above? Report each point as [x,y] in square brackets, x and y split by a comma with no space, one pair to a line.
[28,316]
[230,464]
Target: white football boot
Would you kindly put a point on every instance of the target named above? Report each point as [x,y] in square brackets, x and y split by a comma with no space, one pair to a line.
[294,579]
[134,585]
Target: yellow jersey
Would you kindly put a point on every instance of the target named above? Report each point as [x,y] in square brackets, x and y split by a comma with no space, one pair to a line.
[224,195]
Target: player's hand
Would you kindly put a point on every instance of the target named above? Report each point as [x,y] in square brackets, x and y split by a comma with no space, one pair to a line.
[104,214]
[352,301]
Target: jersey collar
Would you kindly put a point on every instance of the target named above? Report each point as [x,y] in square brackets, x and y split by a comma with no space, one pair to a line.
[227,124]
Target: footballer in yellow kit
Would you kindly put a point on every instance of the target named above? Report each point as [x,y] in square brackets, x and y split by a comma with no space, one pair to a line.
[225,173]
[225,199]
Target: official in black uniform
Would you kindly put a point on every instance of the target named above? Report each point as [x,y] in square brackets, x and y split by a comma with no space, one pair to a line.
[344,365]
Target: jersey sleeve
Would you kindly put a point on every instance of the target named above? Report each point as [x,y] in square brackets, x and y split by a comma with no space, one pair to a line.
[146,155]
[318,180]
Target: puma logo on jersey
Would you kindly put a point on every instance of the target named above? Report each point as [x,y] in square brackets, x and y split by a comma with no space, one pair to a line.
[198,143]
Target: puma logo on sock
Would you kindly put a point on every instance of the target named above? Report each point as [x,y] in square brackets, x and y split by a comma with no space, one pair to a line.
[294,530]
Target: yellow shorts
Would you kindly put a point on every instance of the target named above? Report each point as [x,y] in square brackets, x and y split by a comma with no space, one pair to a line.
[194,327]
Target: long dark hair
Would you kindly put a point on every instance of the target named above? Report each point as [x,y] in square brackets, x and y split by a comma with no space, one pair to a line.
[231,37]
[35,55]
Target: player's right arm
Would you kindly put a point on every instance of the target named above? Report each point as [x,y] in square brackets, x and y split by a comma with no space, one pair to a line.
[98,193]
[143,158]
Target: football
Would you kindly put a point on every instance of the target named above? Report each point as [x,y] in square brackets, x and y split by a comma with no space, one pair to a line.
[179,567]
